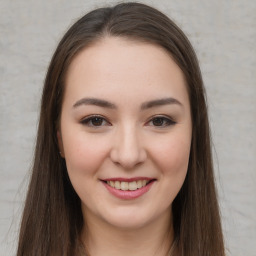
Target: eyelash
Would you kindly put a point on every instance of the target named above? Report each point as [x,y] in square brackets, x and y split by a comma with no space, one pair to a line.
[88,121]
[165,121]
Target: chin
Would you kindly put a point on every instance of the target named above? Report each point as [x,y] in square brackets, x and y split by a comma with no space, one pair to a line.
[128,223]
[131,218]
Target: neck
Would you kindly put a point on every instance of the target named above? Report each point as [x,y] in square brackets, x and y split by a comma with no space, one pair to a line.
[153,239]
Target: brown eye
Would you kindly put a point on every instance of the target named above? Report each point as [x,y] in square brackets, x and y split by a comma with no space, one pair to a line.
[161,121]
[95,121]
[158,121]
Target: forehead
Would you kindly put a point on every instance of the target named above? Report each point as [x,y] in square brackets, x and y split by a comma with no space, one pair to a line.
[124,67]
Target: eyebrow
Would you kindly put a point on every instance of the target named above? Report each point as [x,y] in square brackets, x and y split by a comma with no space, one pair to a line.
[106,104]
[160,102]
[95,102]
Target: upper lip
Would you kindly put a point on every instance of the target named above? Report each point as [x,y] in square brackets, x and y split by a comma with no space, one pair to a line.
[128,179]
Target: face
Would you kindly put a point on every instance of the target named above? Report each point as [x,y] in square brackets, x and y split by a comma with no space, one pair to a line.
[125,131]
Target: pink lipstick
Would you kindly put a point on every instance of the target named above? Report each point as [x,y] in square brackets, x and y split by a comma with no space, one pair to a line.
[128,188]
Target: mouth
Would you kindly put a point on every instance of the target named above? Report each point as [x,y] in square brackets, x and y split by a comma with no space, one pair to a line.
[128,188]
[124,185]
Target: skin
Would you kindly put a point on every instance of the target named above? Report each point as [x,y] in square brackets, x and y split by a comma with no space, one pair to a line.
[127,141]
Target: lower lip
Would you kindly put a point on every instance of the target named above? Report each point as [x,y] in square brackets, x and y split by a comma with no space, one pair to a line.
[128,194]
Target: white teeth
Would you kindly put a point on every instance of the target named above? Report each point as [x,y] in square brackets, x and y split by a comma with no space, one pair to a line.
[122,185]
[133,185]
[139,183]
[117,184]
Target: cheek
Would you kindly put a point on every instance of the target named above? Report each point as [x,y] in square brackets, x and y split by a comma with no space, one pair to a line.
[171,159]
[172,156]
[84,155]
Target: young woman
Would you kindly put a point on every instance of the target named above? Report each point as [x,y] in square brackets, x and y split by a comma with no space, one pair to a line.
[123,160]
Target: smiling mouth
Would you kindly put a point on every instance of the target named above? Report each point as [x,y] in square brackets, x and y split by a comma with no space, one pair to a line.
[124,185]
[128,189]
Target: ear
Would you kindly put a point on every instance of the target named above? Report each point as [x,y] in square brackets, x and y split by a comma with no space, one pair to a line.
[60,144]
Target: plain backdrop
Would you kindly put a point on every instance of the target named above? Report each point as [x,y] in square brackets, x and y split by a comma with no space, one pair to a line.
[224,36]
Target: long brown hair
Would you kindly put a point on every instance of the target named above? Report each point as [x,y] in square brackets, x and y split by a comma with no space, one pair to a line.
[52,218]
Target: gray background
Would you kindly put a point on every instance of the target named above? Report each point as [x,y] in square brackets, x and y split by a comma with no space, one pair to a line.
[224,36]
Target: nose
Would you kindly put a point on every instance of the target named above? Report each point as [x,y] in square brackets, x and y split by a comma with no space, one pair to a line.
[128,150]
